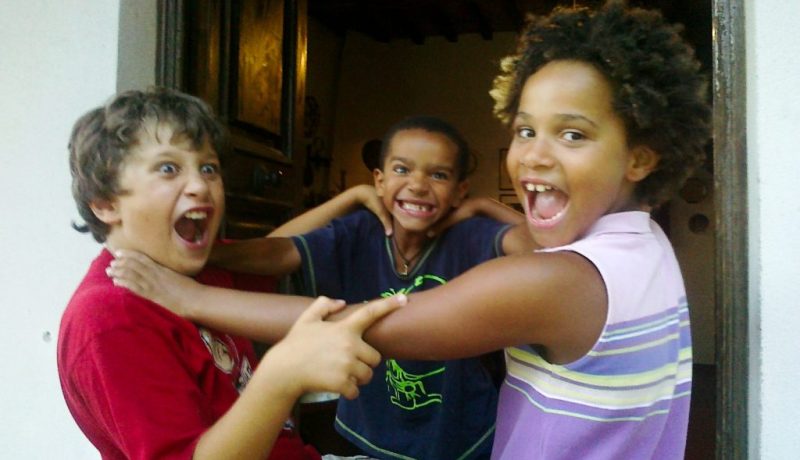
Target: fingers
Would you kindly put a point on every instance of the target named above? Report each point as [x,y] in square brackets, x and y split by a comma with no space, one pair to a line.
[374,203]
[455,216]
[320,309]
[128,284]
[361,374]
[127,274]
[349,390]
[439,226]
[362,319]
[386,220]
[120,254]
[130,266]
[368,355]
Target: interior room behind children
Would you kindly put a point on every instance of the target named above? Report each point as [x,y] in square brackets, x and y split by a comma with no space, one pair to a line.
[609,114]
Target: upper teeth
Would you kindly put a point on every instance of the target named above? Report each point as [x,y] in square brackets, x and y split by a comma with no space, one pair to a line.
[196,215]
[415,207]
[537,187]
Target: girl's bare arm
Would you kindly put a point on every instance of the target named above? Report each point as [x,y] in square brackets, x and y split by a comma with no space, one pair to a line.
[257,316]
[556,300]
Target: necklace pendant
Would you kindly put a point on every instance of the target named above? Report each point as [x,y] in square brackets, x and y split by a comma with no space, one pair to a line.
[404,271]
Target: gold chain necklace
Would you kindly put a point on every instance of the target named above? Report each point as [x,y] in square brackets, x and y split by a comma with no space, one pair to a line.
[407,262]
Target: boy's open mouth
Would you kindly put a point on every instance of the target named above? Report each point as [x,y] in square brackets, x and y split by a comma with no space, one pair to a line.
[545,202]
[415,207]
[192,226]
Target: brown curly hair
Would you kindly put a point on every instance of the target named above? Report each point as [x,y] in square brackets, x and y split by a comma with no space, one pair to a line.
[658,89]
[102,138]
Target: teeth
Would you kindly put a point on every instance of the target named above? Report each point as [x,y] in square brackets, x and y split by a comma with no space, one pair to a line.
[196,215]
[415,207]
[537,187]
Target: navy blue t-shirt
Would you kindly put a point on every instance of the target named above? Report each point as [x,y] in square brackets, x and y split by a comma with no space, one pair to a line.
[436,410]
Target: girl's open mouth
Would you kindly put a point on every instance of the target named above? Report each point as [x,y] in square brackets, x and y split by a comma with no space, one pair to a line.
[545,203]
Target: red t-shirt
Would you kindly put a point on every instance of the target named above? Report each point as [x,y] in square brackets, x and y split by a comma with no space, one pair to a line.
[143,383]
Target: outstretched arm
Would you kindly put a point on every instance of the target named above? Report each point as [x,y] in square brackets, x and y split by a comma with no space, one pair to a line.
[516,241]
[341,204]
[556,300]
[316,355]
[257,316]
[479,206]
[277,255]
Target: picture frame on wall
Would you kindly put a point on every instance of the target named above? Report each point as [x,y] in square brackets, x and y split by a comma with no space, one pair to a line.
[257,68]
[505,180]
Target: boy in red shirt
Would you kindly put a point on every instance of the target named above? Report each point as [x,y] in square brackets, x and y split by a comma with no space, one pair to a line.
[140,381]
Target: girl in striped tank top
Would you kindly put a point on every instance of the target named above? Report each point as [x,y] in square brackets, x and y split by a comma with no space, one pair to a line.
[608,115]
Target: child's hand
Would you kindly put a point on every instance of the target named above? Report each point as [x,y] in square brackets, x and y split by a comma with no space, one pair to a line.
[320,355]
[368,197]
[471,207]
[146,278]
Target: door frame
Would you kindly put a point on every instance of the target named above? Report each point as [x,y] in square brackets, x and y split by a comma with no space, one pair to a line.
[730,209]
[730,206]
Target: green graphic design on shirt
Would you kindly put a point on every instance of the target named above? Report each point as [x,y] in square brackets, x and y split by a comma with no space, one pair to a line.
[407,390]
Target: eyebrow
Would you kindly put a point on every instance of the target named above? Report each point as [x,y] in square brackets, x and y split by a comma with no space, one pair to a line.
[412,163]
[561,116]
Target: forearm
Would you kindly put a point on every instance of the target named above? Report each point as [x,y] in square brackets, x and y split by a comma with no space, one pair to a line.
[496,210]
[257,316]
[262,256]
[321,215]
[250,427]
[518,239]
[316,355]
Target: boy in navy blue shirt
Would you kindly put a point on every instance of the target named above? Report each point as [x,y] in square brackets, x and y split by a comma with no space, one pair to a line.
[412,409]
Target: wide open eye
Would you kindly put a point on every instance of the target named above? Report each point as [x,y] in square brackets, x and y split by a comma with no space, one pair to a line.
[168,168]
[209,169]
[525,132]
[573,136]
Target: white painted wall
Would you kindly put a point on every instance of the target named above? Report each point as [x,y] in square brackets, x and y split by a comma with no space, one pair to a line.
[137,44]
[59,59]
[773,117]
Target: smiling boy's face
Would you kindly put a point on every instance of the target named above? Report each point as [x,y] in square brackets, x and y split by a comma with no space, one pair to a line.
[171,201]
[419,182]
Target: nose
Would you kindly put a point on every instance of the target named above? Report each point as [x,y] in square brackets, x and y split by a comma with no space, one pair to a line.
[418,182]
[537,154]
[196,185]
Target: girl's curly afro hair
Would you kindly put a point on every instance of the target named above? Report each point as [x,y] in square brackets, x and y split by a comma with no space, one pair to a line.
[658,89]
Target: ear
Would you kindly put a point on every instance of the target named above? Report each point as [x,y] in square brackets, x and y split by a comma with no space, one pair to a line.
[461,192]
[377,175]
[642,162]
[106,211]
